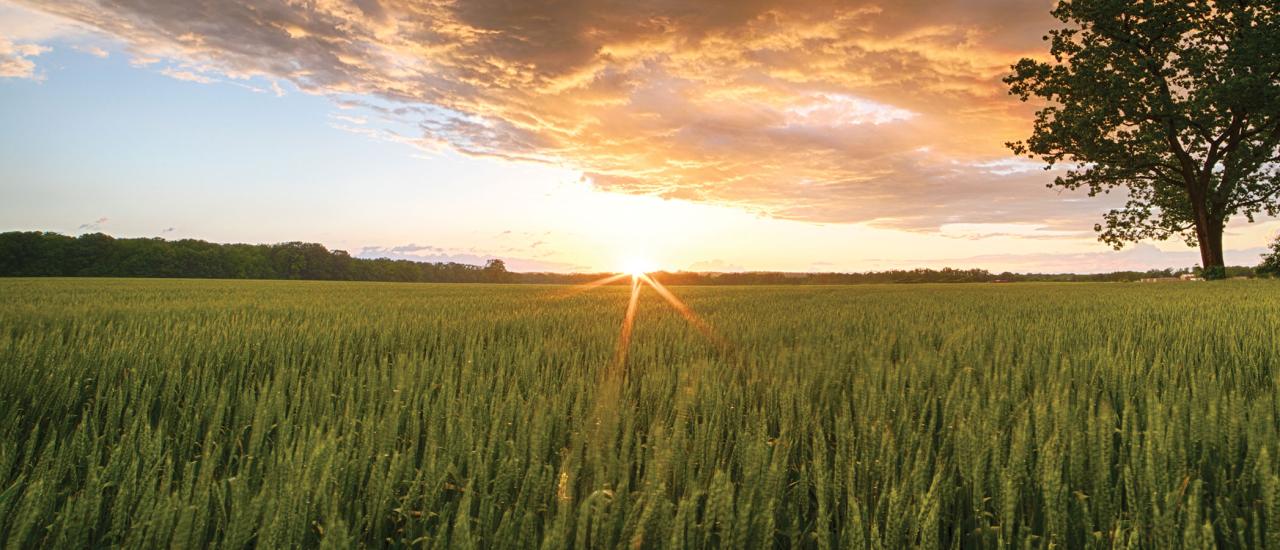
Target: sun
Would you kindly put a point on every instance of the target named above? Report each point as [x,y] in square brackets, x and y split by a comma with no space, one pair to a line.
[636,266]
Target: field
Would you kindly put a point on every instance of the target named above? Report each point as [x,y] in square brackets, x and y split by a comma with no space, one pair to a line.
[150,413]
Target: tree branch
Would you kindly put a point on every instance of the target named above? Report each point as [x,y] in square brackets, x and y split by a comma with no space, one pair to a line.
[1259,201]
[1230,134]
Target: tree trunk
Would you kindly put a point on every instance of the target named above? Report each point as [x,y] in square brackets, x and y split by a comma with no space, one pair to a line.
[1208,228]
[1209,235]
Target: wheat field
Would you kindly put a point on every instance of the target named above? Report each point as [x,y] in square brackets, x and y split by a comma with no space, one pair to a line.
[181,413]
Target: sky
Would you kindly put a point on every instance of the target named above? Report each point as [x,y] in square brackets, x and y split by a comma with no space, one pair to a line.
[558,135]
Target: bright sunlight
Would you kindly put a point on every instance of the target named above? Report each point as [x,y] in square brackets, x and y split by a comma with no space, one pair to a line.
[637,265]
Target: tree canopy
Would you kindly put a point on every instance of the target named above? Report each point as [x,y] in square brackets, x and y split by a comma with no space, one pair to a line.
[1176,103]
[96,254]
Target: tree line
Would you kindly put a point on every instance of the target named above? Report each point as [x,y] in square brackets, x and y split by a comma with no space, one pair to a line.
[35,254]
[44,254]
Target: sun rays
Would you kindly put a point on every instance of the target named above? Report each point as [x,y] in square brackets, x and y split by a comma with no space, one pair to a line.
[628,321]
[640,279]
[680,307]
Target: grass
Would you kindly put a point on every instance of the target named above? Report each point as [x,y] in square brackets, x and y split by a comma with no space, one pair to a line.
[281,414]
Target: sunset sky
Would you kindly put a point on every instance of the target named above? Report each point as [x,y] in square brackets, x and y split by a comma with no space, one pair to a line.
[790,135]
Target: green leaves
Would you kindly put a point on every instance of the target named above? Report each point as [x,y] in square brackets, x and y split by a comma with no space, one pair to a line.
[1271,262]
[1175,104]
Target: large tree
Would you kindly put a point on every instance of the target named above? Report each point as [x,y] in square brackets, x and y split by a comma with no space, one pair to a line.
[1175,102]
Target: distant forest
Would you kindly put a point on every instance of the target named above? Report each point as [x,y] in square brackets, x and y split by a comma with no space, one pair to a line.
[42,254]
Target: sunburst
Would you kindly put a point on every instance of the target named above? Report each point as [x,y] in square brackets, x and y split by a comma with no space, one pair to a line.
[610,394]
[639,269]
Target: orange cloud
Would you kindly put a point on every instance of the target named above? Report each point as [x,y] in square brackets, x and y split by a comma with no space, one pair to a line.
[885,112]
[16,62]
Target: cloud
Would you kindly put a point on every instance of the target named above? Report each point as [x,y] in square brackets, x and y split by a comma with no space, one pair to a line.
[93,225]
[420,253]
[95,51]
[16,62]
[409,249]
[189,76]
[25,33]
[21,24]
[1139,257]
[978,231]
[350,119]
[717,265]
[143,61]
[838,111]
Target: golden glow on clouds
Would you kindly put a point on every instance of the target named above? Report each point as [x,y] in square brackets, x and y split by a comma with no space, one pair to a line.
[854,111]
[794,134]
[16,59]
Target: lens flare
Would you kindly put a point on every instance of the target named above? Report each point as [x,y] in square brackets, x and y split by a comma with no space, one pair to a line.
[624,339]
[683,309]
[639,271]
[614,380]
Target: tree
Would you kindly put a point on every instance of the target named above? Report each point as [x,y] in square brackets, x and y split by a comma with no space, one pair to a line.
[1271,262]
[1175,102]
[496,271]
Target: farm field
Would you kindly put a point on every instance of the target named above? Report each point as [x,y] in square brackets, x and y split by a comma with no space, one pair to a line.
[184,413]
